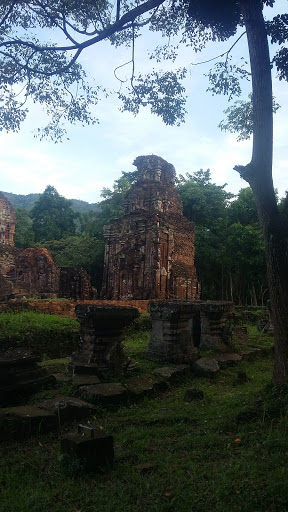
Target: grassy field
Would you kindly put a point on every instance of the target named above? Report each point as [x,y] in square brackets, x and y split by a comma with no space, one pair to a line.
[48,335]
[227,452]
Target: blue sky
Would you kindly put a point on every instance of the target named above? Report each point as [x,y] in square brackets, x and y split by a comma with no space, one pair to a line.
[94,156]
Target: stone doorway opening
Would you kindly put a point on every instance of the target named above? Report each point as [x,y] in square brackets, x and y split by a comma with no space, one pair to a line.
[196,329]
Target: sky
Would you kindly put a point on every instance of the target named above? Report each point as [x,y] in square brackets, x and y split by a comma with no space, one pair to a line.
[94,156]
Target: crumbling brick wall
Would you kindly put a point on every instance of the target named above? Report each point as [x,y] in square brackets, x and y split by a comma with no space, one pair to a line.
[75,284]
[7,221]
[35,272]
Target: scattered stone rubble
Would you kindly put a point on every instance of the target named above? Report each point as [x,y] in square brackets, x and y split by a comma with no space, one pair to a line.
[22,421]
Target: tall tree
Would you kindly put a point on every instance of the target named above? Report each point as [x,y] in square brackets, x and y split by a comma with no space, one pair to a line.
[24,234]
[203,201]
[52,216]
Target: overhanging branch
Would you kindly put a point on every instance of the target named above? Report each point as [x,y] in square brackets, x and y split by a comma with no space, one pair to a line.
[121,24]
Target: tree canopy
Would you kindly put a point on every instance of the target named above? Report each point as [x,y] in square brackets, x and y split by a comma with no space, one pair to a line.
[52,216]
[41,44]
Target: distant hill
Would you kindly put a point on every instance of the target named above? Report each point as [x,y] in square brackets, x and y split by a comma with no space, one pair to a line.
[27,202]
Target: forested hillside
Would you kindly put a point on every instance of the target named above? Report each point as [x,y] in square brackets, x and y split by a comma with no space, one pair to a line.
[28,201]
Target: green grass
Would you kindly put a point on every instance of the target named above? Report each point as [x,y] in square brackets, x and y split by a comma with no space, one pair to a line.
[135,345]
[47,335]
[259,340]
[195,464]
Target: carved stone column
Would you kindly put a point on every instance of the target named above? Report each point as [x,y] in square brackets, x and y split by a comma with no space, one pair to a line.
[180,328]
[172,333]
[214,332]
[101,331]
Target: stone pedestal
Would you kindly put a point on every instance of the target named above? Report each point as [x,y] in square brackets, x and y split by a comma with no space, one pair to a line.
[180,328]
[214,332]
[20,376]
[101,331]
[171,336]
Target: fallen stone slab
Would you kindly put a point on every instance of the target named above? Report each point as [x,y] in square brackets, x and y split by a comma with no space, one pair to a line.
[61,377]
[68,408]
[104,393]
[85,380]
[23,421]
[226,359]
[172,372]
[250,353]
[144,384]
[205,366]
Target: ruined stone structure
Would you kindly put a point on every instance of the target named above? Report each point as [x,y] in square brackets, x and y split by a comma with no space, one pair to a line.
[149,252]
[7,221]
[181,328]
[75,284]
[20,376]
[101,331]
[32,272]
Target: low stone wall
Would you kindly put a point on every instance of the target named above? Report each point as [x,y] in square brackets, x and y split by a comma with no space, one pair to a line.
[67,307]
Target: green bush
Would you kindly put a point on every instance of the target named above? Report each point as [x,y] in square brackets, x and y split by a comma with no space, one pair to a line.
[140,324]
[248,315]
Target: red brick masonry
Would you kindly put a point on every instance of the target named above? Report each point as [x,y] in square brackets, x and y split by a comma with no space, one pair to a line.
[67,307]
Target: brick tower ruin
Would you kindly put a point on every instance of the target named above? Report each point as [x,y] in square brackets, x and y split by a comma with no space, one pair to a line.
[149,252]
[7,221]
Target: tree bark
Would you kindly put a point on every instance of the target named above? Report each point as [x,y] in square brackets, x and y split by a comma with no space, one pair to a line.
[259,175]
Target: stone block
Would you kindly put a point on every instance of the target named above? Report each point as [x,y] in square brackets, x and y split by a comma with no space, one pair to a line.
[205,367]
[144,385]
[85,380]
[104,394]
[173,372]
[226,359]
[88,448]
[23,421]
[20,376]
[250,353]
[68,408]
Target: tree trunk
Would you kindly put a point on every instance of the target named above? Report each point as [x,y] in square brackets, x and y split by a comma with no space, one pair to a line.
[259,175]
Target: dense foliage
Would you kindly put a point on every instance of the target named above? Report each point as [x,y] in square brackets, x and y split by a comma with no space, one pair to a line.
[52,216]
[229,249]
[50,72]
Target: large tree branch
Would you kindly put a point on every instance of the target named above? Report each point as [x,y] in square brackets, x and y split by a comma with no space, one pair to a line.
[10,10]
[125,22]
[119,25]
